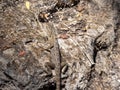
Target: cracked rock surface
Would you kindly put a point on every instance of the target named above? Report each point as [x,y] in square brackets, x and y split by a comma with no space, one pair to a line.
[88,34]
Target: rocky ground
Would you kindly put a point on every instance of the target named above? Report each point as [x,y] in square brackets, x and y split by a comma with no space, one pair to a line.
[88,34]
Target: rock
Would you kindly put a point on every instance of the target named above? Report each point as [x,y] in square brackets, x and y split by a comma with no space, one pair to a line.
[9,51]
[88,35]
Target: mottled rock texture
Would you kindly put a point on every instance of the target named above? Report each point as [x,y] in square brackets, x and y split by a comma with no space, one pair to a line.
[88,34]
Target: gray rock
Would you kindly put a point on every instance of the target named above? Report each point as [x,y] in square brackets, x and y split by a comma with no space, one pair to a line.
[88,35]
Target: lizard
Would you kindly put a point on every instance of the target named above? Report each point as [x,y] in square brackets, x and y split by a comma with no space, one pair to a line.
[55,52]
[56,58]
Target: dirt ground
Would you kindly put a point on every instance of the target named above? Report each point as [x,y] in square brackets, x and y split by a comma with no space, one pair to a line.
[88,36]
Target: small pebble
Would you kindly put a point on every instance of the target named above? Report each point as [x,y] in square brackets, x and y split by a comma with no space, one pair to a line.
[9,51]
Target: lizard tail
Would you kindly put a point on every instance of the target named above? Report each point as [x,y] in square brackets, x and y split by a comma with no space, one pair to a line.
[58,84]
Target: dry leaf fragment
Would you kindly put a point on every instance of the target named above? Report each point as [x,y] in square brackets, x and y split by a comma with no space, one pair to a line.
[64,36]
[27,4]
[21,53]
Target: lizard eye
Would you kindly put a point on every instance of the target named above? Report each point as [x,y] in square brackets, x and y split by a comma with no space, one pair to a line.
[43,17]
